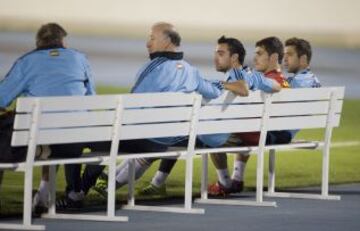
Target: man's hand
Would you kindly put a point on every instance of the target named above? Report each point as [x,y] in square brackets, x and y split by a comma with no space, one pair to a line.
[276,86]
[239,87]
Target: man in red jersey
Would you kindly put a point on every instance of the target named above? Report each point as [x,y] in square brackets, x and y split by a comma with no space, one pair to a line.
[269,53]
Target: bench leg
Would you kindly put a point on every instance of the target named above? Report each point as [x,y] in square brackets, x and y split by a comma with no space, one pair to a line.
[28,185]
[188,194]
[111,190]
[10,226]
[325,172]
[204,194]
[271,180]
[204,176]
[52,186]
[131,184]
[110,215]
[26,224]
[259,177]
[324,183]
[188,181]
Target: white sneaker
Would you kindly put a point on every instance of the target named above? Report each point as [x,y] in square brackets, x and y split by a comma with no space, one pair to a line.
[38,206]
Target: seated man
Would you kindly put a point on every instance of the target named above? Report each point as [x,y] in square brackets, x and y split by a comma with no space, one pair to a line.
[49,70]
[165,72]
[229,58]
[297,60]
[269,53]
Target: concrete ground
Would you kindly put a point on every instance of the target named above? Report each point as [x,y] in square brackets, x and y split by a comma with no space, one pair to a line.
[290,214]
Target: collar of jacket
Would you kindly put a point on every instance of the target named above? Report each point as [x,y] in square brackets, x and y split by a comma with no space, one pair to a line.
[167,54]
[49,47]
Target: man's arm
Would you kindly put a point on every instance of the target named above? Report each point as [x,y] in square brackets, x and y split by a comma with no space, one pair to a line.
[12,85]
[89,84]
[275,86]
[239,87]
[259,82]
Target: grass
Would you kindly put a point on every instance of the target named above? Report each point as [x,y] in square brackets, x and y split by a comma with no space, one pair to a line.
[302,169]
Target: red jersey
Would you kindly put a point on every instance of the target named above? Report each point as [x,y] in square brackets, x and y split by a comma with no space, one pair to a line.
[252,138]
[278,77]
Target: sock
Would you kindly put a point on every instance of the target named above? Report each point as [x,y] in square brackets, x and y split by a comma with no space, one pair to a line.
[239,169]
[121,166]
[223,176]
[159,179]
[42,152]
[43,190]
[123,175]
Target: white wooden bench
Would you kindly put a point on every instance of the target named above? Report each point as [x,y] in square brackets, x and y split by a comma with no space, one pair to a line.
[290,109]
[61,120]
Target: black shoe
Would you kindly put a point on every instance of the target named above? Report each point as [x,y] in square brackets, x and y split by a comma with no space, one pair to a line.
[67,203]
[38,210]
[236,186]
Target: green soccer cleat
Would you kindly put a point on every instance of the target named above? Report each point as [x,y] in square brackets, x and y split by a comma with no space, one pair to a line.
[152,190]
[101,185]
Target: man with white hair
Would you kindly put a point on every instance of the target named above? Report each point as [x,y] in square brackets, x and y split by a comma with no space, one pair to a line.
[165,72]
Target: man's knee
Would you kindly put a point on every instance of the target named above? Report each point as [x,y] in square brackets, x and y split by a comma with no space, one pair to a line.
[67,150]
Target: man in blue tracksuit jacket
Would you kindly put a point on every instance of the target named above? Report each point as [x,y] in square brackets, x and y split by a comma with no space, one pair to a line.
[49,70]
[159,79]
[229,58]
[297,59]
[165,72]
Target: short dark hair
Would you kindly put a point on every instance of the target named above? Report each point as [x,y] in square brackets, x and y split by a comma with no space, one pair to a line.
[301,46]
[235,47]
[50,34]
[272,45]
[174,36]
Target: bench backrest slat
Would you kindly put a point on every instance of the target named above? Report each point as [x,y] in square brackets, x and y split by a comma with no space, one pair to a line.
[91,134]
[144,116]
[307,94]
[290,109]
[301,122]
[104,118]
[68,103]
[163,99]
[101,102]
[303,108]
[277,109]
[228,126]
